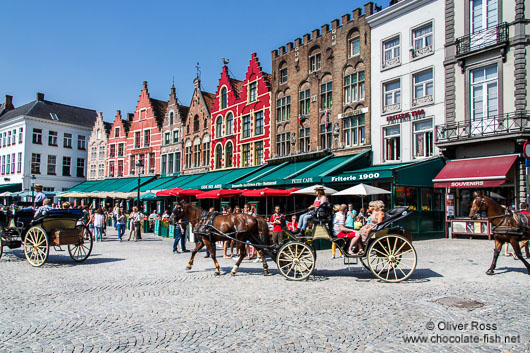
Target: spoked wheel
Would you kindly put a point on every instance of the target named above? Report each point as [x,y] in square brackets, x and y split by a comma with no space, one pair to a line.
[81,251]
[392,258]
[296,260]
[36,246]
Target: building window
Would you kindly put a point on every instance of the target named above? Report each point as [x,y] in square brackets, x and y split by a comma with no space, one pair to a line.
[175,136]
[112,151]
[111,169]
[246,154]
[355,47]
[314,63]
[14,137]
[196,124]
[21,135]
[326,95]
[147,138]
[167,138]
[92,171]
[283,144]
[67,162]
[229,124]
[171,118]
[305,140]
[392,143]
[305,102]
[98,134]
[93,153]
[120,149]
[218,156]
[37,137]
[258,153]
[8,163]
[137,139]
[483,14]
[205,153]
[423,141]
[52,138]
[219,127]
[132,165]
[19,162]
[354,87]
[177,161]
[116,132]
[101,152]
[12,163]
[120,168]
[170,163]
[258,123]
[197,155]
[1,139]
[253,92]
[391,52]
[80,167]
[283,75]
[423,88]
[163,166]
[9,139]
[81,142]
[3,164]
[325,133]
[224,98]
[187,130]
[101,170]
[188,157]
[152,162]
[229,154]
[246,126]
[484,93]
[354,134]
[67,140]
[422,40]
[283,109]
[35,163]
[392,96]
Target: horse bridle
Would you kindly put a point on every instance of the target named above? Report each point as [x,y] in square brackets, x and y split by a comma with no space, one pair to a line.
[482,203]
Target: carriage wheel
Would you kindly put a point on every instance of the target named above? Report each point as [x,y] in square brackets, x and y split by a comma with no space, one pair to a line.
[392,258]
[81,251]
[296,260]
[36,246]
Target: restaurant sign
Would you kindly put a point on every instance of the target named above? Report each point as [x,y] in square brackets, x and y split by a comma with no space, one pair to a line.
[415,114]
[211,186]
[358,177]
[256,184]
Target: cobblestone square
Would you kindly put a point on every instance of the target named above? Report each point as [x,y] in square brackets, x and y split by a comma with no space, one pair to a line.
[138,297]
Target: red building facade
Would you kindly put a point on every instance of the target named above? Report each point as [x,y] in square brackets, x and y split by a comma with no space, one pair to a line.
[117,151]
[241,119]
[144,137]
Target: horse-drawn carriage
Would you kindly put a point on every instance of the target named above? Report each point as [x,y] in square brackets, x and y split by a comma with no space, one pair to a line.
[388,252]
[37,235]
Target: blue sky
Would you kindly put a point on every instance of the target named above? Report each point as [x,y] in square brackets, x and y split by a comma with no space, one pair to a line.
[96,54]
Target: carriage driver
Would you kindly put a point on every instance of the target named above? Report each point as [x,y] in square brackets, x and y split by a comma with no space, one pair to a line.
[42,210]
[39,196]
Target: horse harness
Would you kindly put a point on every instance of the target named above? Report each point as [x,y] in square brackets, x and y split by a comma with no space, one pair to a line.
[518,218]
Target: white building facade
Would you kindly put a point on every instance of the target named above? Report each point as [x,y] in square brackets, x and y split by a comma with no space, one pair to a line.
[407,83]
[47,140]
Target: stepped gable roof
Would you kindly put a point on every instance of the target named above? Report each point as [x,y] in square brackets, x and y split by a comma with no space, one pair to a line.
[183,110]
[108,126]
[159,108]
[43,109]
[237,86]
[209,98]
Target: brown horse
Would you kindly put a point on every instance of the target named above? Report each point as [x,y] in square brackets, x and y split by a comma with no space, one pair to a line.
[505,228]
[240,226]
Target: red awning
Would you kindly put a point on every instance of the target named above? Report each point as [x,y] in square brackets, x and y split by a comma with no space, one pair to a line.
[216,194]
[475,172]
[167,192]
[186,192]
[266,192]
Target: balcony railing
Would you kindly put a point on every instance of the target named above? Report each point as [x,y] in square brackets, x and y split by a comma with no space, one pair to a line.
[482,39]
[504,124]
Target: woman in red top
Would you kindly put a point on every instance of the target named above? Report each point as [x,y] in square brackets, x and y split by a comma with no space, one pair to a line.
[319,200]
[293,224]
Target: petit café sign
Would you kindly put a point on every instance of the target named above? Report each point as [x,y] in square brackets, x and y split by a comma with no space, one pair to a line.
[415,114]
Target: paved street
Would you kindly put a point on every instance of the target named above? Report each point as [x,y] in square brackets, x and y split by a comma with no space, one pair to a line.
[138,297]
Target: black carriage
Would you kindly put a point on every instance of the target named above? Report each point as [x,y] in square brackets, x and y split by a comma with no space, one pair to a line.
[388,252]
[37,235]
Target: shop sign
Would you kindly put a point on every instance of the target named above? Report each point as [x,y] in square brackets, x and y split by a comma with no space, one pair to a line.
[358,177]
[142,150]
[415,114]
[526,149]
[353,113]
[302,181]
[258,183]
[211,186]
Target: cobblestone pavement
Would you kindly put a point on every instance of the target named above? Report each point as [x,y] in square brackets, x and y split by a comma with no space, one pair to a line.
[138,297]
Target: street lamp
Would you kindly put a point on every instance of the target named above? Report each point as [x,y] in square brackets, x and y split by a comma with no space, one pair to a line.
[33,178]
[139,167]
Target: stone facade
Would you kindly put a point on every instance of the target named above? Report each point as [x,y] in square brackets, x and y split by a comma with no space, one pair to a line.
[117,149]
[241,119]
[97,143]
[171,150]
[196,127]
[318,91]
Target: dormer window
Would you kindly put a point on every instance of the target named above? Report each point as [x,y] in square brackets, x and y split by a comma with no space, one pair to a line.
[252,92]
[224,98]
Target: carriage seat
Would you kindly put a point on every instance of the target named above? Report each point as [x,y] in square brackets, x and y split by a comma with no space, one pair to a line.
[322,214]
[74,213]
[392,216]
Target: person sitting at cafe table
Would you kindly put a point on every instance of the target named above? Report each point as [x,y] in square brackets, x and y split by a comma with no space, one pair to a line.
[319,200]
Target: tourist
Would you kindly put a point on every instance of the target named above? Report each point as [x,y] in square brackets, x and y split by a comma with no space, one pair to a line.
[42,210]
[66,205]
[319,200]
[293,224]
[99,221]
[120,223]
[138,220]
[277,220]
[377,216]
[237,209]
[179,234]
[132,228]
[115,213]
[351,215]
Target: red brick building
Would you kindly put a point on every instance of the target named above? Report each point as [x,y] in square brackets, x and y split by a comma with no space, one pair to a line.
[241,119]
[117,151]
[143,137]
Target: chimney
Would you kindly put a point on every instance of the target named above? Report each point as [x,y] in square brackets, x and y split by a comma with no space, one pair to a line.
[144,85]
[369,8]
[9,103]
[40,96]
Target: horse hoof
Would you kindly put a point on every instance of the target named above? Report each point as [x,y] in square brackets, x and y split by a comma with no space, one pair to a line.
[490,272]
[217,273]
[188,267]
[266,272]
[232,273]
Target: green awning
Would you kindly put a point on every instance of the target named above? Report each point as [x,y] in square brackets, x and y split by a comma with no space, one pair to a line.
[181,181]
[250,180]
[205,179]
[158,184]
[420,173]
[10,187]
[131,184]
[364,175]
[229,177]
[84,186]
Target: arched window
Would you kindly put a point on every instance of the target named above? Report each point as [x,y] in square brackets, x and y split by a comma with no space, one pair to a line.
[219,127]
[196,126]
[229,152]
[171,118]
[224,102]
[229,124]
[218,156]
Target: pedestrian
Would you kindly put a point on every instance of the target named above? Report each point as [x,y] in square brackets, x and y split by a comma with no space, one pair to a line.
[120,223]
[138,219]
[115,213]
[132,229]
[293,224]
[99,221]
[179,234]
[277,220]
[351,214]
